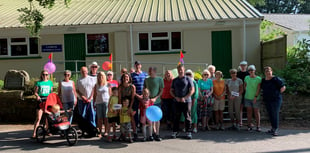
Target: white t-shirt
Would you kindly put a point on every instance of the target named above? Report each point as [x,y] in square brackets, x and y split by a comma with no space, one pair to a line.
[102,94]
[86,85]
[67,94]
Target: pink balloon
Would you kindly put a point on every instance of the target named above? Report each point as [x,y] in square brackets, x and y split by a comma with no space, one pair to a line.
[50,67]
[106,65]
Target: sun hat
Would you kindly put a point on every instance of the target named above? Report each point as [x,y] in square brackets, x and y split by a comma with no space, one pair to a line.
[251,67]
[243,63]
[94,63]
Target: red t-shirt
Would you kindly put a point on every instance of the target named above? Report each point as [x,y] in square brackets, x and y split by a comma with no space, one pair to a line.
[113,83]
[166,91]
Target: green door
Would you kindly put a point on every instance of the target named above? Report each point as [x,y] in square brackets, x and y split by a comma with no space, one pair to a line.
[74,50]
[221,51]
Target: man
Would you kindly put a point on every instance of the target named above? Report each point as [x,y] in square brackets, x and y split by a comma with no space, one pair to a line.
[138,77]
[211,69]
[84,87]
[93,69]
[155,85]
[182,89]
[241,75]
[113,83]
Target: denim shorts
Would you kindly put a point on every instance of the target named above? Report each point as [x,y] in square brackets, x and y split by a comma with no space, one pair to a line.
[249,103]
[101,110]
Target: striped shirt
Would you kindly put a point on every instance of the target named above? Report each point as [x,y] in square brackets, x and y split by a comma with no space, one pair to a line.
[138,81]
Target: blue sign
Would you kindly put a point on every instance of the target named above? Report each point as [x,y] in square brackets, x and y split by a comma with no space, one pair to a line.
[51,48]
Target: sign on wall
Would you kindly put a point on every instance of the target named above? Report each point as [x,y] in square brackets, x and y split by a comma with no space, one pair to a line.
[51,48]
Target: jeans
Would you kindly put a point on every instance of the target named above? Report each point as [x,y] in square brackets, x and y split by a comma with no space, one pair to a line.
[168,109]
[66,107]
[273,109]
[185,109]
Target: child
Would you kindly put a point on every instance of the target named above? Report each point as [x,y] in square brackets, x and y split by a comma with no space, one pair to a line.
[54,114]
[145,102]
[112,114]
[125,120]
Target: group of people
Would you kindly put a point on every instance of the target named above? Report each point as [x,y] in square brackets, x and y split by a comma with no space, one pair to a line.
[183,99]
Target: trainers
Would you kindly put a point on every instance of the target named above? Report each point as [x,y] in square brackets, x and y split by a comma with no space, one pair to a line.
[237,128]
[174,135]
[183,129]
[222,128]
[151,138]
[157,138]
[188,135]
[144,139]
[258,129]
[135,136]
[195,130]
[249,128]
[217,127]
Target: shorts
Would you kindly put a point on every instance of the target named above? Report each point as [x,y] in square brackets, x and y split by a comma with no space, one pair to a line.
[113,119]
[125,127]
[219,105]
[68,105]
[101,110]
[249,103]
[41,104]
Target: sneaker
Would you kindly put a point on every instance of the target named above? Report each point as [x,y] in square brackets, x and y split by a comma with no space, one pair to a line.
[195,130]
[208,128]
[135,136]
[157,138]
[114,137]
[217,127]
[144,139]
[222,128]
[174,135]
[188,135]
[151,138]
[258,129]
[184,130]
[237,128]
[130,140]
[249,128]
[109,138]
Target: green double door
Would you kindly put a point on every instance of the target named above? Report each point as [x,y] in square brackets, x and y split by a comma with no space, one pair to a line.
[74,51]
[222,51]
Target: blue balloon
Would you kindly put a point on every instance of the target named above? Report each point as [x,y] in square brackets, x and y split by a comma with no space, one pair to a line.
[154,113]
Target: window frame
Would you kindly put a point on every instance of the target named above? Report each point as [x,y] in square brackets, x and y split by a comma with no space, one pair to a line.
[94,54]
[27,43]
[150,38]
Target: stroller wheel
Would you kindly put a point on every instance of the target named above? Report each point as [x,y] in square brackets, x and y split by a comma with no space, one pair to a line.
[71,136]
[40,134]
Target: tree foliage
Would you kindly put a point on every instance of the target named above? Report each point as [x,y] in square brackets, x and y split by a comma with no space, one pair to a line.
[281,6]
[268,32]
[31,16]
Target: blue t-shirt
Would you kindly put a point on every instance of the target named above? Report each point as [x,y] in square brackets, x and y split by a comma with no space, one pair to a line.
[205,85]
[138,81]
[181,87]
[271,89]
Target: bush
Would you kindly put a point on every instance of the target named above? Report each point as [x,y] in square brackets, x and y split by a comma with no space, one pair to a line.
[1,84]
[296,74]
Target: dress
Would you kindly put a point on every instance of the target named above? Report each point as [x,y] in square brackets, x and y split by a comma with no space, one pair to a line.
[205,104]
[144,104]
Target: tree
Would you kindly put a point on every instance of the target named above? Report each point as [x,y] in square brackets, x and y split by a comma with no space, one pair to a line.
[281,6]
[32,18]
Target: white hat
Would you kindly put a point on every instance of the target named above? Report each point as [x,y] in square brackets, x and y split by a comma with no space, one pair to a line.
[110,72]
[251,67]
[189,71]
[243,63]
[93,63]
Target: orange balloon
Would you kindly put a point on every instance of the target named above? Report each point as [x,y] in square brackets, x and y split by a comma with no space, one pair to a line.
[106,65]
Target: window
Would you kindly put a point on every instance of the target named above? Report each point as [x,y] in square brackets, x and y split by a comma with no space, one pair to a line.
[3,47]
[160,41]
[19,47]
[97,43]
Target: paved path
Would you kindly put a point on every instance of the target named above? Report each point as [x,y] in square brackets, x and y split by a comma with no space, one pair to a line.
[15,138]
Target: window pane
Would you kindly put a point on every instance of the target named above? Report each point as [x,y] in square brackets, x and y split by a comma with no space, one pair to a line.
[14,40]
[98,43]
[176,40]
[143,41]
[3,47]
[160,45]
[18,50]
[34,45]
[160,34]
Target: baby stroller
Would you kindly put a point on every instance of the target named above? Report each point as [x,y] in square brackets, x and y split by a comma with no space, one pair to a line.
[62,128]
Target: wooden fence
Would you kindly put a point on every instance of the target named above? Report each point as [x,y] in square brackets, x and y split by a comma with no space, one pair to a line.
[273,53]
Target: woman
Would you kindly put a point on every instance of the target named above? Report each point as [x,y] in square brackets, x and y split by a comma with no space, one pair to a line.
[234,90]
[219,99]
[205,101]
[67,92]
[167,99]
[101,98]
[272,88]
[251,99]
[42,89]
[126,90]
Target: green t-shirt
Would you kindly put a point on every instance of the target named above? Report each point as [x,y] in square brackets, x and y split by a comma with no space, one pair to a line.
[251,87]
[154,85]
[44,87]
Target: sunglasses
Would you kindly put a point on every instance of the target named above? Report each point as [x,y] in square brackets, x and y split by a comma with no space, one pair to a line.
[188,74]
[45,74]
[205,74]
[233,73]
[93,67]
[66,74]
